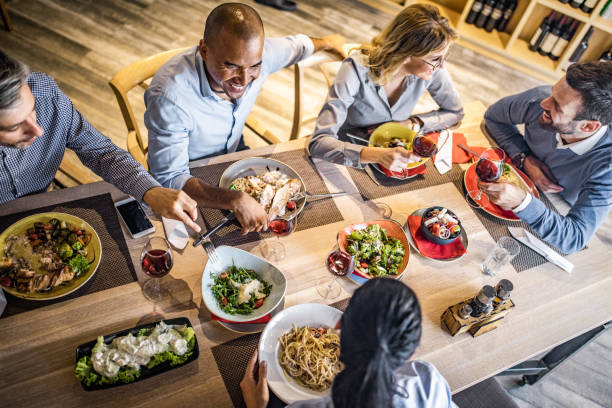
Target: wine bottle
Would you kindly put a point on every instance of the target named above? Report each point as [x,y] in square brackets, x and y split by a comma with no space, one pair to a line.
[503,22]
[582,46]
[541,32]
[496,15]
[606,56]
[474,11]
[588,6]
[564,39]
[551,38]
[606,11]
[487,9]
[576,3]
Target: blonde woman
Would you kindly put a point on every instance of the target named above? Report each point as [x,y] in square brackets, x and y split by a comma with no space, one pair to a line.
[382,82]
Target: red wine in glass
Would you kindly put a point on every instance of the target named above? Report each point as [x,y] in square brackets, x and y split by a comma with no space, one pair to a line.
[340,263]
[488,171]
[157,263]
[490,165]
[281,226]
[424,146]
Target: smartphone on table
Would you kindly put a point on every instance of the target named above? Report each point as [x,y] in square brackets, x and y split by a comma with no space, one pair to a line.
[134,218]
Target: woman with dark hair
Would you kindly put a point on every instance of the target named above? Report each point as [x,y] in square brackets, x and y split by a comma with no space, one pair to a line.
[380,330]
[382,81]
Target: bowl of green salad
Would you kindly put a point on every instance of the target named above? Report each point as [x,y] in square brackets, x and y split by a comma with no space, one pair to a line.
[380,248]
[241,287]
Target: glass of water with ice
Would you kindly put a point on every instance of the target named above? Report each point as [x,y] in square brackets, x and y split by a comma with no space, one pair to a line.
[505,250]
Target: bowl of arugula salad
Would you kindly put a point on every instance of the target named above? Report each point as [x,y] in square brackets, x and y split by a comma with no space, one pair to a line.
[241,287]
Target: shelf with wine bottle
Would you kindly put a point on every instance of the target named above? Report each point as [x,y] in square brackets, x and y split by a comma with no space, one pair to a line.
[480,28]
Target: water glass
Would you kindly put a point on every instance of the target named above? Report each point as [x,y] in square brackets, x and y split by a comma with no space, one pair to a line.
[505,250]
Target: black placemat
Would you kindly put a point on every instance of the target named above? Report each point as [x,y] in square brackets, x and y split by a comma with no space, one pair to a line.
[115,268]
[232,358]
[315,214]
[389,186]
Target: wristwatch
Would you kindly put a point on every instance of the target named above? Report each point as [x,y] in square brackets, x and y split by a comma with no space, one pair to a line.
[519,159]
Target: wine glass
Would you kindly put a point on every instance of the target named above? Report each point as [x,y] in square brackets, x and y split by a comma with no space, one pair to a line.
[156,261]
[339,263]
[280,225]
[424,146]
[489,168]
[490,165]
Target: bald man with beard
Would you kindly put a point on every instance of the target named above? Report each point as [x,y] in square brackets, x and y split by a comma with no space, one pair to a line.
[198,102]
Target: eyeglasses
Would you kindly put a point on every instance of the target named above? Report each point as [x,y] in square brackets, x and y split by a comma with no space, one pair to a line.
[437,64]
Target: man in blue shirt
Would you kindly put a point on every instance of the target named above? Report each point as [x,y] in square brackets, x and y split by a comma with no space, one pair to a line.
[38,122]
[198,102]
[566,149]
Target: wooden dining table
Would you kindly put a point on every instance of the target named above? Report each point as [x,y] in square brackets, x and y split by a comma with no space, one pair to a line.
[37,348]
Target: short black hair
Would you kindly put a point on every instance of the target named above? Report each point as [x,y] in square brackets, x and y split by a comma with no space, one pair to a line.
[242,21]
[594,82]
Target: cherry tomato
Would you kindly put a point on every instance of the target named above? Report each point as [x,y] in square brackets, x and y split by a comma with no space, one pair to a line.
[258,303]
[291,205]
[364,265]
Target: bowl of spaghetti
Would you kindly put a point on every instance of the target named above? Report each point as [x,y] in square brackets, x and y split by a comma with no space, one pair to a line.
[302,347]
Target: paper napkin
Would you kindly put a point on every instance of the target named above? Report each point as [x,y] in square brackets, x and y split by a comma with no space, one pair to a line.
[176,232]
[444,158]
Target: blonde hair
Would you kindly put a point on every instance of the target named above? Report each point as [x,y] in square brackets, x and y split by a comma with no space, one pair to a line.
[416,31]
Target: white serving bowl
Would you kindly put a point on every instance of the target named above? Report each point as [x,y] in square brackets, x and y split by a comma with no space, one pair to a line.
[229,256]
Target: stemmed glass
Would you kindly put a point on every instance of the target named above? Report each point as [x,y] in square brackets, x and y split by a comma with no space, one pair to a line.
[339,263]
[156,261]
[424,146]
[280,225]
[489,168]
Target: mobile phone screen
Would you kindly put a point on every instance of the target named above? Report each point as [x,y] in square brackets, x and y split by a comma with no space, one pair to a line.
[134,217]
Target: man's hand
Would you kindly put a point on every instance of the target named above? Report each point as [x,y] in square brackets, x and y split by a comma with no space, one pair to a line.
[249,213]
[506,195]
[254,384]
[174,204]
[541,175]
[333,43]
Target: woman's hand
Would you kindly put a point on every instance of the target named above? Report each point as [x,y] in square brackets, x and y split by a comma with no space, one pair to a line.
[254,384]
[395,158]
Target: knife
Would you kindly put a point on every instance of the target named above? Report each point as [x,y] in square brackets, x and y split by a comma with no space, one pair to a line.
[370,173]
[204,235]
[541,248]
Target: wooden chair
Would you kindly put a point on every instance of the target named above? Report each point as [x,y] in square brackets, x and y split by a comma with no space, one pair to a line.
[125,80]
[5,17]
[322,61]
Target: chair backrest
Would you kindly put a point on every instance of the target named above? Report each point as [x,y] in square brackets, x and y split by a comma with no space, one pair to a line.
[125,80]
[321,60]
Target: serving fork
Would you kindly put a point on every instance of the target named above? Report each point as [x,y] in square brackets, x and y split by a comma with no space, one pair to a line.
[209,248]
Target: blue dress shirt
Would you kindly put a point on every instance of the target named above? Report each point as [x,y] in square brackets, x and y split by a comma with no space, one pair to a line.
[30,170]
[187,120]
[586,176]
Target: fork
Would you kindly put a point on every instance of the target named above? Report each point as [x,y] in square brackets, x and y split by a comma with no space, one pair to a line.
[209,248]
